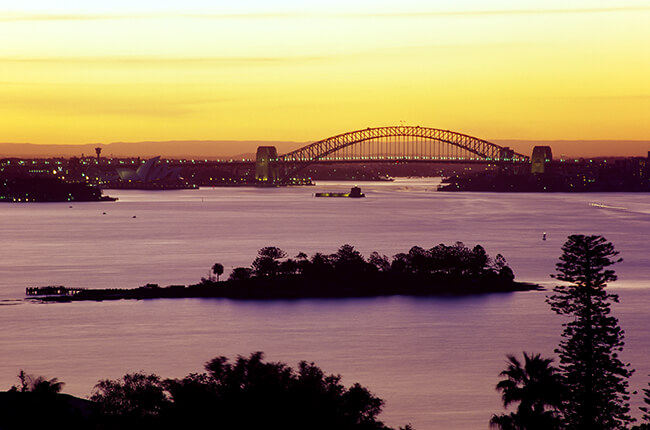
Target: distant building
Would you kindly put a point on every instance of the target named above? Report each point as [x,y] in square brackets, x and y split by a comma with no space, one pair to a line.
[151,171]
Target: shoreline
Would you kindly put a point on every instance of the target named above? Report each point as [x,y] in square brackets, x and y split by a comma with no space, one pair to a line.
[280,289]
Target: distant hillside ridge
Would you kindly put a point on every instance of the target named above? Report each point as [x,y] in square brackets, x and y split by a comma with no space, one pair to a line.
[581,148]
[207,149]
[232,149]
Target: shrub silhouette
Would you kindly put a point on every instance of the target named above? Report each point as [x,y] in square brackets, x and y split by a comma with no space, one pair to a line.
[248,393]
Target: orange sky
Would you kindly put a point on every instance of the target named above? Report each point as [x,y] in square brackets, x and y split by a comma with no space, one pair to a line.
[74,73]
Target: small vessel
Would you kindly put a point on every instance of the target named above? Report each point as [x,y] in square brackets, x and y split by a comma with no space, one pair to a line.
[355,192]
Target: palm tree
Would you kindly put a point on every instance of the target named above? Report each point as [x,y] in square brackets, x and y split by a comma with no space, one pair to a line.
[217,269]
[46,386]
[38,384]
[537,387]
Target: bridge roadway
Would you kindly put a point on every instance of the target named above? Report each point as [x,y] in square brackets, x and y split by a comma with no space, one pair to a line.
[251,162]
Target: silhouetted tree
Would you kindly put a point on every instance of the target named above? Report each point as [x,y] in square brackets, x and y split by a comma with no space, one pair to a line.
[453,260]
[321,266]
[459,257]
[438,256]
[303,262]
[46,386]
[289,267]
[646,411]
[646,400]
[400,263]
[24,382]
[506,274]
[348,261]
[246,394]
[301,256]
[240,273]
[381,262]
[596,379]
[250,393]
[37,384]
[135,400]
[418,260]
[478,260]
[266,263]
[347,272]
[272,252]
[196,403]
[217,269]
[537,387]
[499,263]
[36,403]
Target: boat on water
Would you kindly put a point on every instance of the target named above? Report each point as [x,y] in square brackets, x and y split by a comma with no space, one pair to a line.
[355,192]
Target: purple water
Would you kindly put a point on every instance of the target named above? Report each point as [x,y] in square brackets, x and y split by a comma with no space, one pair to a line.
[435,361]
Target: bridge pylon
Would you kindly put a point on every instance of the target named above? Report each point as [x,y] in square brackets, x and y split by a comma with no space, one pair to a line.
[541,156]
[267,171]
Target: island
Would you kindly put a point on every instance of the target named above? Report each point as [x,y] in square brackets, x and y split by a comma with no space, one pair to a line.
[440,270]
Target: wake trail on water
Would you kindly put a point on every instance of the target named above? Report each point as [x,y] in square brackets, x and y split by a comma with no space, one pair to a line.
[630,209]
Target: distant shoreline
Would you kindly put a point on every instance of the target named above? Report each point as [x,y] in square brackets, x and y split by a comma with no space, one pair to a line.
[290,287]
[218,149]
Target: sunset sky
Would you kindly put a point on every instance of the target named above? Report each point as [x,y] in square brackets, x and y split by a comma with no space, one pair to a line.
[74,72]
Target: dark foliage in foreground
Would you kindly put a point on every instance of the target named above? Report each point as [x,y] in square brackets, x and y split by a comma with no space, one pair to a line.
[35,403]
[646,411]
[37,384]
[589,390]
[251,393]
[596,378]
[248,393]
[536,386]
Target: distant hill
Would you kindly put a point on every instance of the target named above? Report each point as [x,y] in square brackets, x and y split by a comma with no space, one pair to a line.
[582,148]
[210,149]
[215,149]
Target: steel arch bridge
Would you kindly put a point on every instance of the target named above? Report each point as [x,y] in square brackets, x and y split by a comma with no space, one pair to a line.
[395,143]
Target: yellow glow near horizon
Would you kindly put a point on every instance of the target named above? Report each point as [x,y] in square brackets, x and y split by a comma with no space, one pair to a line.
[76,75]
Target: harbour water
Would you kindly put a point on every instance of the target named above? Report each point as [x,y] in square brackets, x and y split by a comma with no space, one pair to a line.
[434,361]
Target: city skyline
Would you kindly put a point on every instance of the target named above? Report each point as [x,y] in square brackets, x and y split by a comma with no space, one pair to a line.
[76,73]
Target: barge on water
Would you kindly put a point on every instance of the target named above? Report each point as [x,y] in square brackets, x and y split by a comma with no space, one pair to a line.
[355,192]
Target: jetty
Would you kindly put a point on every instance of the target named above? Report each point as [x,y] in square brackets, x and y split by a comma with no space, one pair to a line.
[52,291]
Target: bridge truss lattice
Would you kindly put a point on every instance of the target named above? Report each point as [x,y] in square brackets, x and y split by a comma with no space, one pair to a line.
[395,143]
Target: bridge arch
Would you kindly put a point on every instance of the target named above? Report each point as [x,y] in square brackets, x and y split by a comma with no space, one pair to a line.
[480,147]
[300,158]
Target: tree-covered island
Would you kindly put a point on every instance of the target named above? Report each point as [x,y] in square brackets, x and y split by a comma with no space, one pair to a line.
[440,270]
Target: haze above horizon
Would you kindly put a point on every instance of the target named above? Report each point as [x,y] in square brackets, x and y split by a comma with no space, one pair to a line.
[77,72]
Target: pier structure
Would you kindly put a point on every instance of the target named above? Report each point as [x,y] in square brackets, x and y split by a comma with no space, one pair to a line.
[52,291]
